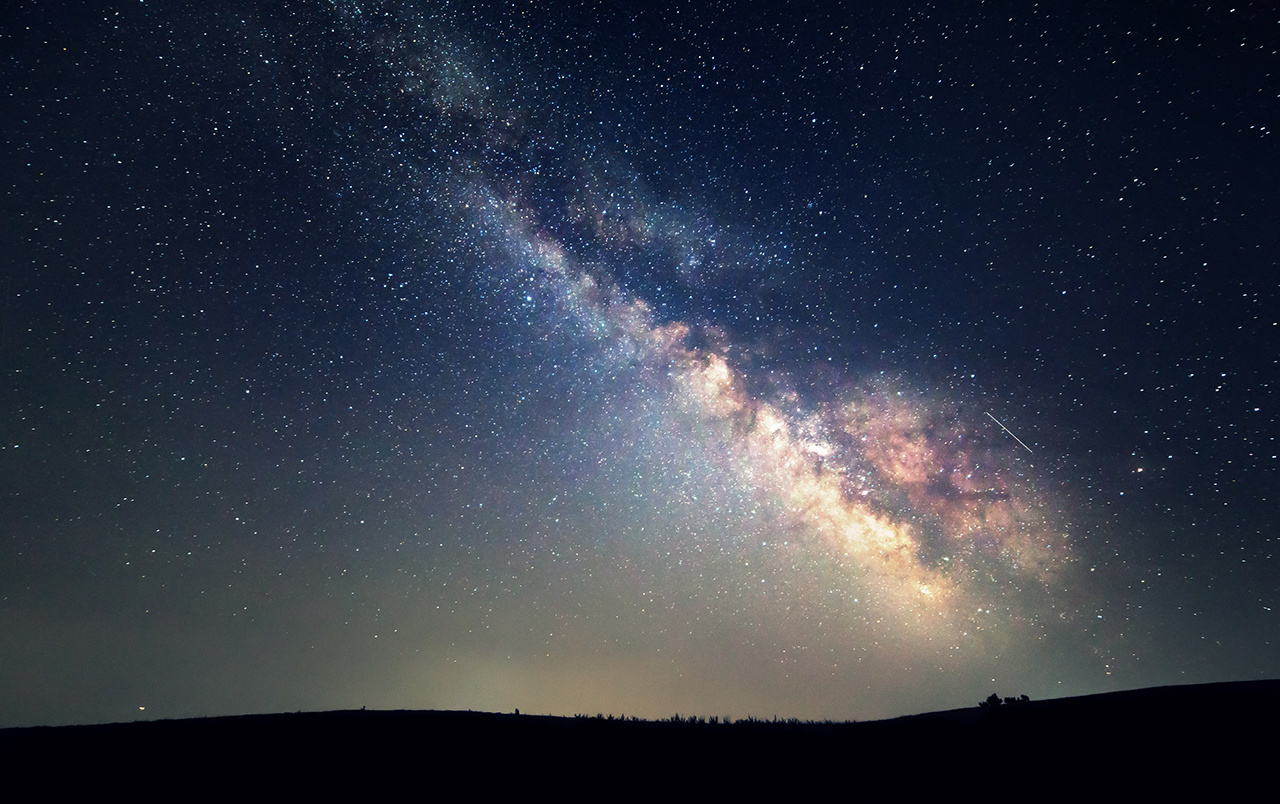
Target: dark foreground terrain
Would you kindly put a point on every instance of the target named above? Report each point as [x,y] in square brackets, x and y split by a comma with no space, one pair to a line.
[1152,740]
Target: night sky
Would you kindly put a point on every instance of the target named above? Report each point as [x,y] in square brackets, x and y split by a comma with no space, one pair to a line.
[723,358]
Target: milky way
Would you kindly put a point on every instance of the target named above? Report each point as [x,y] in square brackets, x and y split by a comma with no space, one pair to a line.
[913,495]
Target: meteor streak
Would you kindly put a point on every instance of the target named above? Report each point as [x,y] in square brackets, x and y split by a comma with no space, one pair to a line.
[1010,432]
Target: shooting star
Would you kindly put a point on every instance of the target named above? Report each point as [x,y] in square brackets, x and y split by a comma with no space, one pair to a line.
[1010,432]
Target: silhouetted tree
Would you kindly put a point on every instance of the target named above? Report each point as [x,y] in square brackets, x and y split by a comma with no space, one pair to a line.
[995,700]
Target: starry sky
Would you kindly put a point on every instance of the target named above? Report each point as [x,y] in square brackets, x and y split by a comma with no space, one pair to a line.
[821,361]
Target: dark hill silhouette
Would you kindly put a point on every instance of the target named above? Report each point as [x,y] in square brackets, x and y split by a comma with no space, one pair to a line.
[1142,740]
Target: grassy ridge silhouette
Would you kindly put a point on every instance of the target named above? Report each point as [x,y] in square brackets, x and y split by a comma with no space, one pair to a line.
[1145,740]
